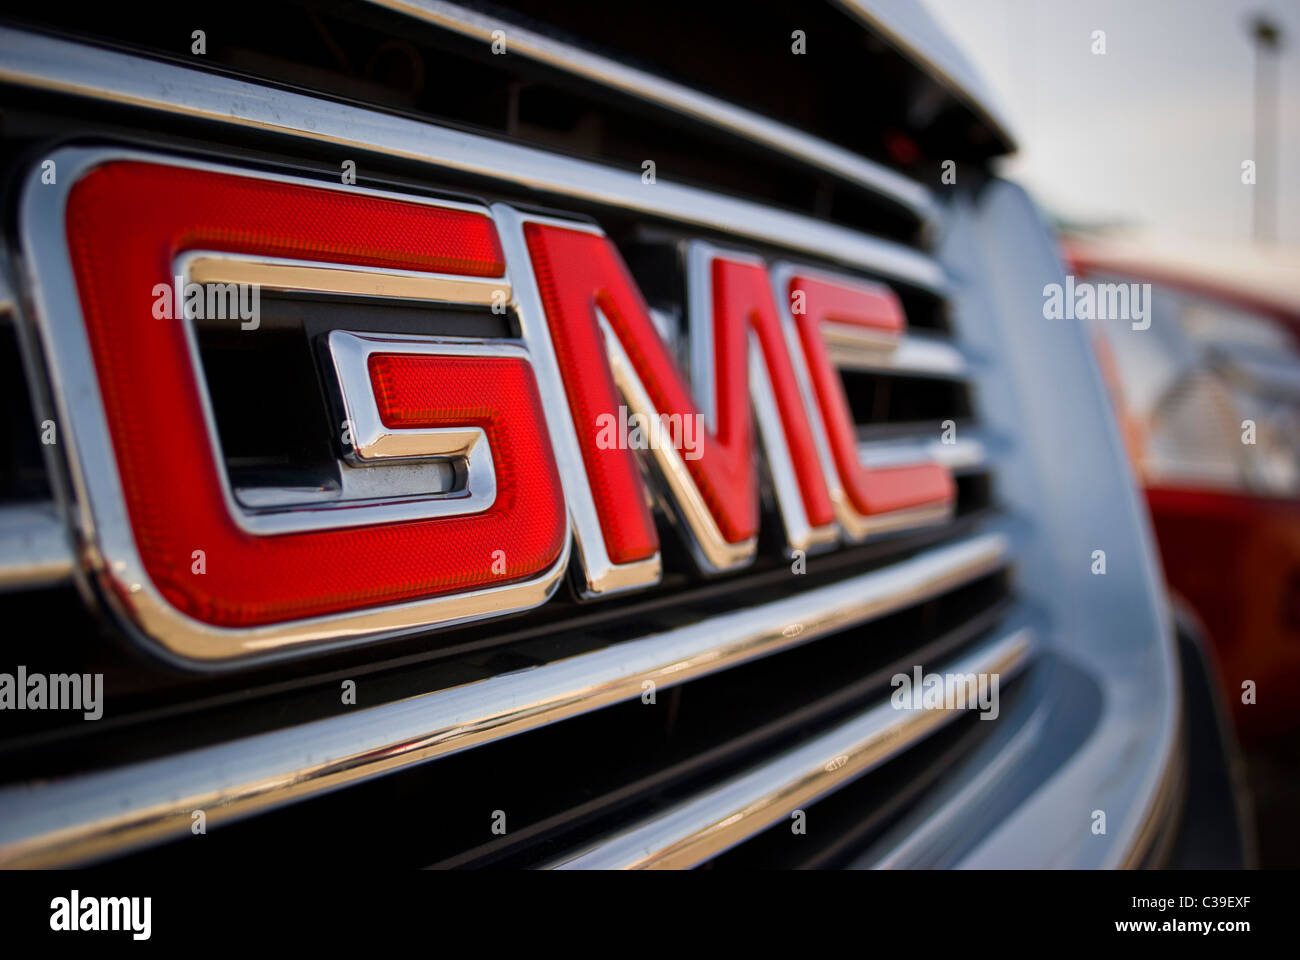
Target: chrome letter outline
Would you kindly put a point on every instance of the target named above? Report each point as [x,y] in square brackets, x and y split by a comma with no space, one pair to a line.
[757,375]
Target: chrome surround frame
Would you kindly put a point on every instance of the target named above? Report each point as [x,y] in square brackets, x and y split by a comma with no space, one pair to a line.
[103,524]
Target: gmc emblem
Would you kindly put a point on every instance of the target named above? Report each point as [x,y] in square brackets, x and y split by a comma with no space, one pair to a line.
[501,436]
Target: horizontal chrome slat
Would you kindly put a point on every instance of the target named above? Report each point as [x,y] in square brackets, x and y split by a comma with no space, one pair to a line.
[914,355]
[638,83]
[95,815]
[47,63]
[34,547]
[928,836]
[731,812]
[963,454]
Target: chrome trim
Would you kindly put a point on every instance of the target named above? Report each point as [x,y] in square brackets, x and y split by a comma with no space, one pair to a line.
[736,809]
[307,276]
[682,99]
[34,547]
[103,524]
[95,815]
[601,576]
[361,498]
[850,337]
[963,454]
[911,354]
[909,518]
[698,256]
[780,275]
[929,838]
[800,534]
[34,60]
[1154,835]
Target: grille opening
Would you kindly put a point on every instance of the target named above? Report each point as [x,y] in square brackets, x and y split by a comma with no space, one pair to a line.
[22,471]
[267,402]
[49,631]
[876,398]
[570,782]
[974,493]
[844,823]
[742,52]
[618,130]
[272,404]
[924,310]
[374,57]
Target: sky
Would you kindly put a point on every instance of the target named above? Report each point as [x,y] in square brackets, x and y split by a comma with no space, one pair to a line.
[1154,131]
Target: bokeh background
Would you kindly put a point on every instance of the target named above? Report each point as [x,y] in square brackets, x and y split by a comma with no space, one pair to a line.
[1137,155]
[1152,133]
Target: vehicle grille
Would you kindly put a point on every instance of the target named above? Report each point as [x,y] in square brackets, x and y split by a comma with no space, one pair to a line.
[772,689]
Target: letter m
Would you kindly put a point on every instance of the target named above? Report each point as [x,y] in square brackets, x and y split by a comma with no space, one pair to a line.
[609,352]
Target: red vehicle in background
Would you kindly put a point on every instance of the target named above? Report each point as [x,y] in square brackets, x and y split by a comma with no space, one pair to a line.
[1208,398]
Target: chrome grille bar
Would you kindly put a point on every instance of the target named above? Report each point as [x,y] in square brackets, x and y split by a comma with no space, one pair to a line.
[638,83]
[95,815]
[964,454]
[735,810]
[42,62]
[34,548]
[916,355]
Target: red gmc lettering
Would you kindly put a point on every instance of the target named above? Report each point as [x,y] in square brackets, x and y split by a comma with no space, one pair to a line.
[870,493]
[583,283]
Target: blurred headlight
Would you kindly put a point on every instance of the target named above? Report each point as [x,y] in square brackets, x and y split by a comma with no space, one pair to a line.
[1209,396]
